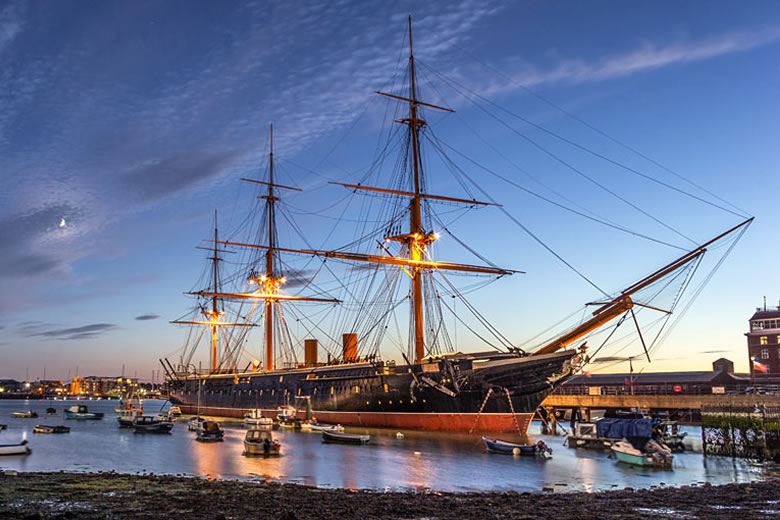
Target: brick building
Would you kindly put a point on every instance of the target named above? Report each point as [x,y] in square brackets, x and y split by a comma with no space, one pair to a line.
[764,346]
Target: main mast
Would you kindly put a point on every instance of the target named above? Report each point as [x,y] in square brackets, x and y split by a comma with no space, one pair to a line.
[415,213]
[269,258]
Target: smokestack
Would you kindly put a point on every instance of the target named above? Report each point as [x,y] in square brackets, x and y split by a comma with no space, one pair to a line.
[310,351]
[349,342]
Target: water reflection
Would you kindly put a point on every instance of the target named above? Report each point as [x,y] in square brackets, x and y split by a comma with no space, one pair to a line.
[447,461]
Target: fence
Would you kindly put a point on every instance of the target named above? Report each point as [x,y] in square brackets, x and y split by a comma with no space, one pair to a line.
[751,432]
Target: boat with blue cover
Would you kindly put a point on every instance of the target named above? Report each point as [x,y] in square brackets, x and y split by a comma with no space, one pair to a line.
[80,411]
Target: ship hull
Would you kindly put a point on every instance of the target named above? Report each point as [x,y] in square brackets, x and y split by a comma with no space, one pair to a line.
[463,393]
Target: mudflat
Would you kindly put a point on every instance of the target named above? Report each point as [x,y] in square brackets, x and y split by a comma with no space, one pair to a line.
[114,495]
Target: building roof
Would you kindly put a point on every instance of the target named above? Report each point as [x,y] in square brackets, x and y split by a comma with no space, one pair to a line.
[655,378]
[720,360]
[762,315]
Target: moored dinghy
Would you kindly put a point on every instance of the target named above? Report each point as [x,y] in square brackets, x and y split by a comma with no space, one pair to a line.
[318,427]
[512,448]
[47,428]
[344,438]
[19,448]
[152,424]
[642,452]
[80,411]
[255,418]
[29,414]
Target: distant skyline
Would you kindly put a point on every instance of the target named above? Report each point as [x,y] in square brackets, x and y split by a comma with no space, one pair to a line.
[123,125]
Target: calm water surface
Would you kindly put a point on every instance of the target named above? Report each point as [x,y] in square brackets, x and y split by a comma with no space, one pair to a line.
[447,462]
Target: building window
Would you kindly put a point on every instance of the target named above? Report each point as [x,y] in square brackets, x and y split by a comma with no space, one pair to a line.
[762,340]
[765,353]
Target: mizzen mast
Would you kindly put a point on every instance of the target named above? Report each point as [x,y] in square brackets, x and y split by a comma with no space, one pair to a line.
[213,315]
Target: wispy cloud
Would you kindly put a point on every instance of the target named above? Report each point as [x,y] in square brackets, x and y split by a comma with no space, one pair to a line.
[648,56]
[11,23]
[146,317]
[85,332]
[92,133]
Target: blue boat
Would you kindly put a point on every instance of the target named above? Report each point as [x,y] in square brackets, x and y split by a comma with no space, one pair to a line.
[499,446]
[80,411]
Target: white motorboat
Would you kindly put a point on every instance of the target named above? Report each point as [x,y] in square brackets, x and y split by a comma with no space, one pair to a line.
[195,423]
[19,448]
[286,413]
[255,418]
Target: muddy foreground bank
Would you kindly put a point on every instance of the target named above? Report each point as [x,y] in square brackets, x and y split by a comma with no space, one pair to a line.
[111,495]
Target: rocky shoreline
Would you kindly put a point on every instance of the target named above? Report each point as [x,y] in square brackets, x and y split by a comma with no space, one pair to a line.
[113,495]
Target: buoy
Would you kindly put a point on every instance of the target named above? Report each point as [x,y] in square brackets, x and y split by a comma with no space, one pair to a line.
[417,454]
[515,451]
[399,435]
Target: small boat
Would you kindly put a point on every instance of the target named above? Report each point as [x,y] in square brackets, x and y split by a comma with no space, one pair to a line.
[260,442]
[127,411]
[513,448]
[649,453]
[345,438]
[20,448]
[46,428]
[29,414]
[210,432]
[51,411]
[674,439]
[80,411]
[152,424]
[585,435]
[286,413]
[195,423]
[126,417]
[255,418]
[318,427]
[174,411]
[3,426]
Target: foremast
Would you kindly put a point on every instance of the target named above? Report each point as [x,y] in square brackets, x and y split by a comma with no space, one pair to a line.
[270,282]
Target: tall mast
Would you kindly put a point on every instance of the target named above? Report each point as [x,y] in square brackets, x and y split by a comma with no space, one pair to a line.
[214,311]
[415,240]
[269,261]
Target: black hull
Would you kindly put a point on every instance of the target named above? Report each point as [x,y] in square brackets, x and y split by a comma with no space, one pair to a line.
[444,394]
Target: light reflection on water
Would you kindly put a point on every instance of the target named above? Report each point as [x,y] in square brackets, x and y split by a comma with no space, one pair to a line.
[447,461]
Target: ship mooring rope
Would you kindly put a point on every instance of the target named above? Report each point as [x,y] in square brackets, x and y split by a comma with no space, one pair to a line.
[490,391]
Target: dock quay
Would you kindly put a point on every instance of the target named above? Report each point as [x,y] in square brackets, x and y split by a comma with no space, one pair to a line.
[683,408]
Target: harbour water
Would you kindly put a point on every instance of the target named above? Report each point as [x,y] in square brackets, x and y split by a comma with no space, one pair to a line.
[446,461]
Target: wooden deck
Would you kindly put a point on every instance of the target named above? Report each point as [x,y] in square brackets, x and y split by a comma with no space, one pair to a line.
[658,402]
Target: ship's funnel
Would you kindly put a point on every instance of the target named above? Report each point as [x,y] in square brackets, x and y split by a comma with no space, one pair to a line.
[310,351]
[349,342]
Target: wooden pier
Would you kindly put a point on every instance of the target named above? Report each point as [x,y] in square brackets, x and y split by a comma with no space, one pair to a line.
[686,408]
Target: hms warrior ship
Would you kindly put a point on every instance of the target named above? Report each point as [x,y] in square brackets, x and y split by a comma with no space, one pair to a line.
[434,388]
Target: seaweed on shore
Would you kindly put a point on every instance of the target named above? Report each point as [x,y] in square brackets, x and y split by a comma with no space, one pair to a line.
[113,495]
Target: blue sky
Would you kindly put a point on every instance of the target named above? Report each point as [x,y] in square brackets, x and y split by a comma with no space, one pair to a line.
[123,125]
